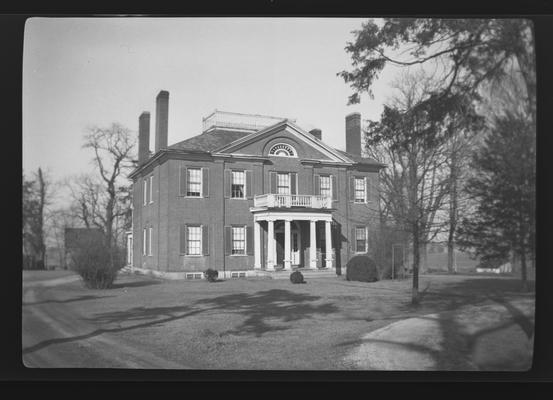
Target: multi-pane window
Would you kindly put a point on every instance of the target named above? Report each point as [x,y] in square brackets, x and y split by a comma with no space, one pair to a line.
[360,190]
[194,237]
[145,191]
[151,189]
[325,185]
[144,241]
[283,183]
[150,241]
[194,182]
[238,184]
[361,239]
[238,240]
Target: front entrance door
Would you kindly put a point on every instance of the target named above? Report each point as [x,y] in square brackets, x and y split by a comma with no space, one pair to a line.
[295,248]
[279,236]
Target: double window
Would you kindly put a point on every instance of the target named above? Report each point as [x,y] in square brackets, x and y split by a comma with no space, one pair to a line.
[238,184]
[194,182]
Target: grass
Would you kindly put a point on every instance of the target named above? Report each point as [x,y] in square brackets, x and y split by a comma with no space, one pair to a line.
[262,324]
[39,275]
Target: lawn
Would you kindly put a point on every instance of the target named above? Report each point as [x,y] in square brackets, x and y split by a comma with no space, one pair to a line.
[272,324]
[40,275]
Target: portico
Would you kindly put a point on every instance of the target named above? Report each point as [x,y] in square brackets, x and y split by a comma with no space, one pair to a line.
[287,238]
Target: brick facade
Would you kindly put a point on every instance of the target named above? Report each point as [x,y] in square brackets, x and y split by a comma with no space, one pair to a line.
[171,210]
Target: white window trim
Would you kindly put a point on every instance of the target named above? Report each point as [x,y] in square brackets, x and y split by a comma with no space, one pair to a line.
[188,241]
[329,176]
[145,192]
[150,230]
[144,241]
[364,192]
[289,182]
[294,151]
[201,196]
[151,189]
[245,185]
[366,240]
[245,227]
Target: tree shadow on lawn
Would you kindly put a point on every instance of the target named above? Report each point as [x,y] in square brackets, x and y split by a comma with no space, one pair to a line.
[457,347]
[135,314]
[269,305]
[457,343]
[284,305]
[438,296]
[121,285]
[70,300]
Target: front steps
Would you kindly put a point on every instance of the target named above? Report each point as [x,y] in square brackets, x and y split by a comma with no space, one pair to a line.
[278,274]
[307,273]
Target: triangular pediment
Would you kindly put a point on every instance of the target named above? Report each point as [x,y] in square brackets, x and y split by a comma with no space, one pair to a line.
[282,135]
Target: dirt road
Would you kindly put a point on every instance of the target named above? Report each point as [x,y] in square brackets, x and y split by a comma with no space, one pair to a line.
[55,336]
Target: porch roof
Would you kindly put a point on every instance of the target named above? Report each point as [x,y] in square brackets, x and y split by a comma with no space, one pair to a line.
[303,214]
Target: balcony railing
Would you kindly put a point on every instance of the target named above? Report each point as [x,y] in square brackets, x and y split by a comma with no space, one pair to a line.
[292,200]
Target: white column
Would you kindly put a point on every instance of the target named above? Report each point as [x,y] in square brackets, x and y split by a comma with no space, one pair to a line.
[257,245]
[328,241]
[271,246]
[287,242]
[313,245]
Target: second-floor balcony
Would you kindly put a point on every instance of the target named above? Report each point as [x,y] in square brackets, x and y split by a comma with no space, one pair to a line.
[292,200]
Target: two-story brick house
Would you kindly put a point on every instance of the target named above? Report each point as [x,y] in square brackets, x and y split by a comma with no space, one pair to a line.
[250,195]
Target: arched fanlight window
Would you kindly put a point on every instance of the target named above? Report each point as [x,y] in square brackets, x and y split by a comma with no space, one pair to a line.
[282,150]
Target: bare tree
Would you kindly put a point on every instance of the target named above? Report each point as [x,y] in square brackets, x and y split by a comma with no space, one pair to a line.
[460,147]
[85,192]
[36,198]
[59,220]
[101,204]
[416,182]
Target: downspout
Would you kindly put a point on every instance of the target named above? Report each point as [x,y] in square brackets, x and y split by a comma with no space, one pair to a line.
[159,215]
[224,222]
[348,205]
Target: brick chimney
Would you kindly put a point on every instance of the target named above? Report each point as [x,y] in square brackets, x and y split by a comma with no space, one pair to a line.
[162,120]
[353,133]
[143,137]
[317,133]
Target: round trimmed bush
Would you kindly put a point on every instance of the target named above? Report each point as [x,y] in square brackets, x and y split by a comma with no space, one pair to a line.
[361,268]
[296,277]
[97,264]
[211,274]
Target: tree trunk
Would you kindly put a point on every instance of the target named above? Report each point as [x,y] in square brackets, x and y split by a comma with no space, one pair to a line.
[424,258]
[451,267]
[523,274]
[453,194]
[416,264]
[40,221]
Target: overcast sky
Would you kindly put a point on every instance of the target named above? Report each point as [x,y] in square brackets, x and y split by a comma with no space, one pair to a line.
[79,72]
